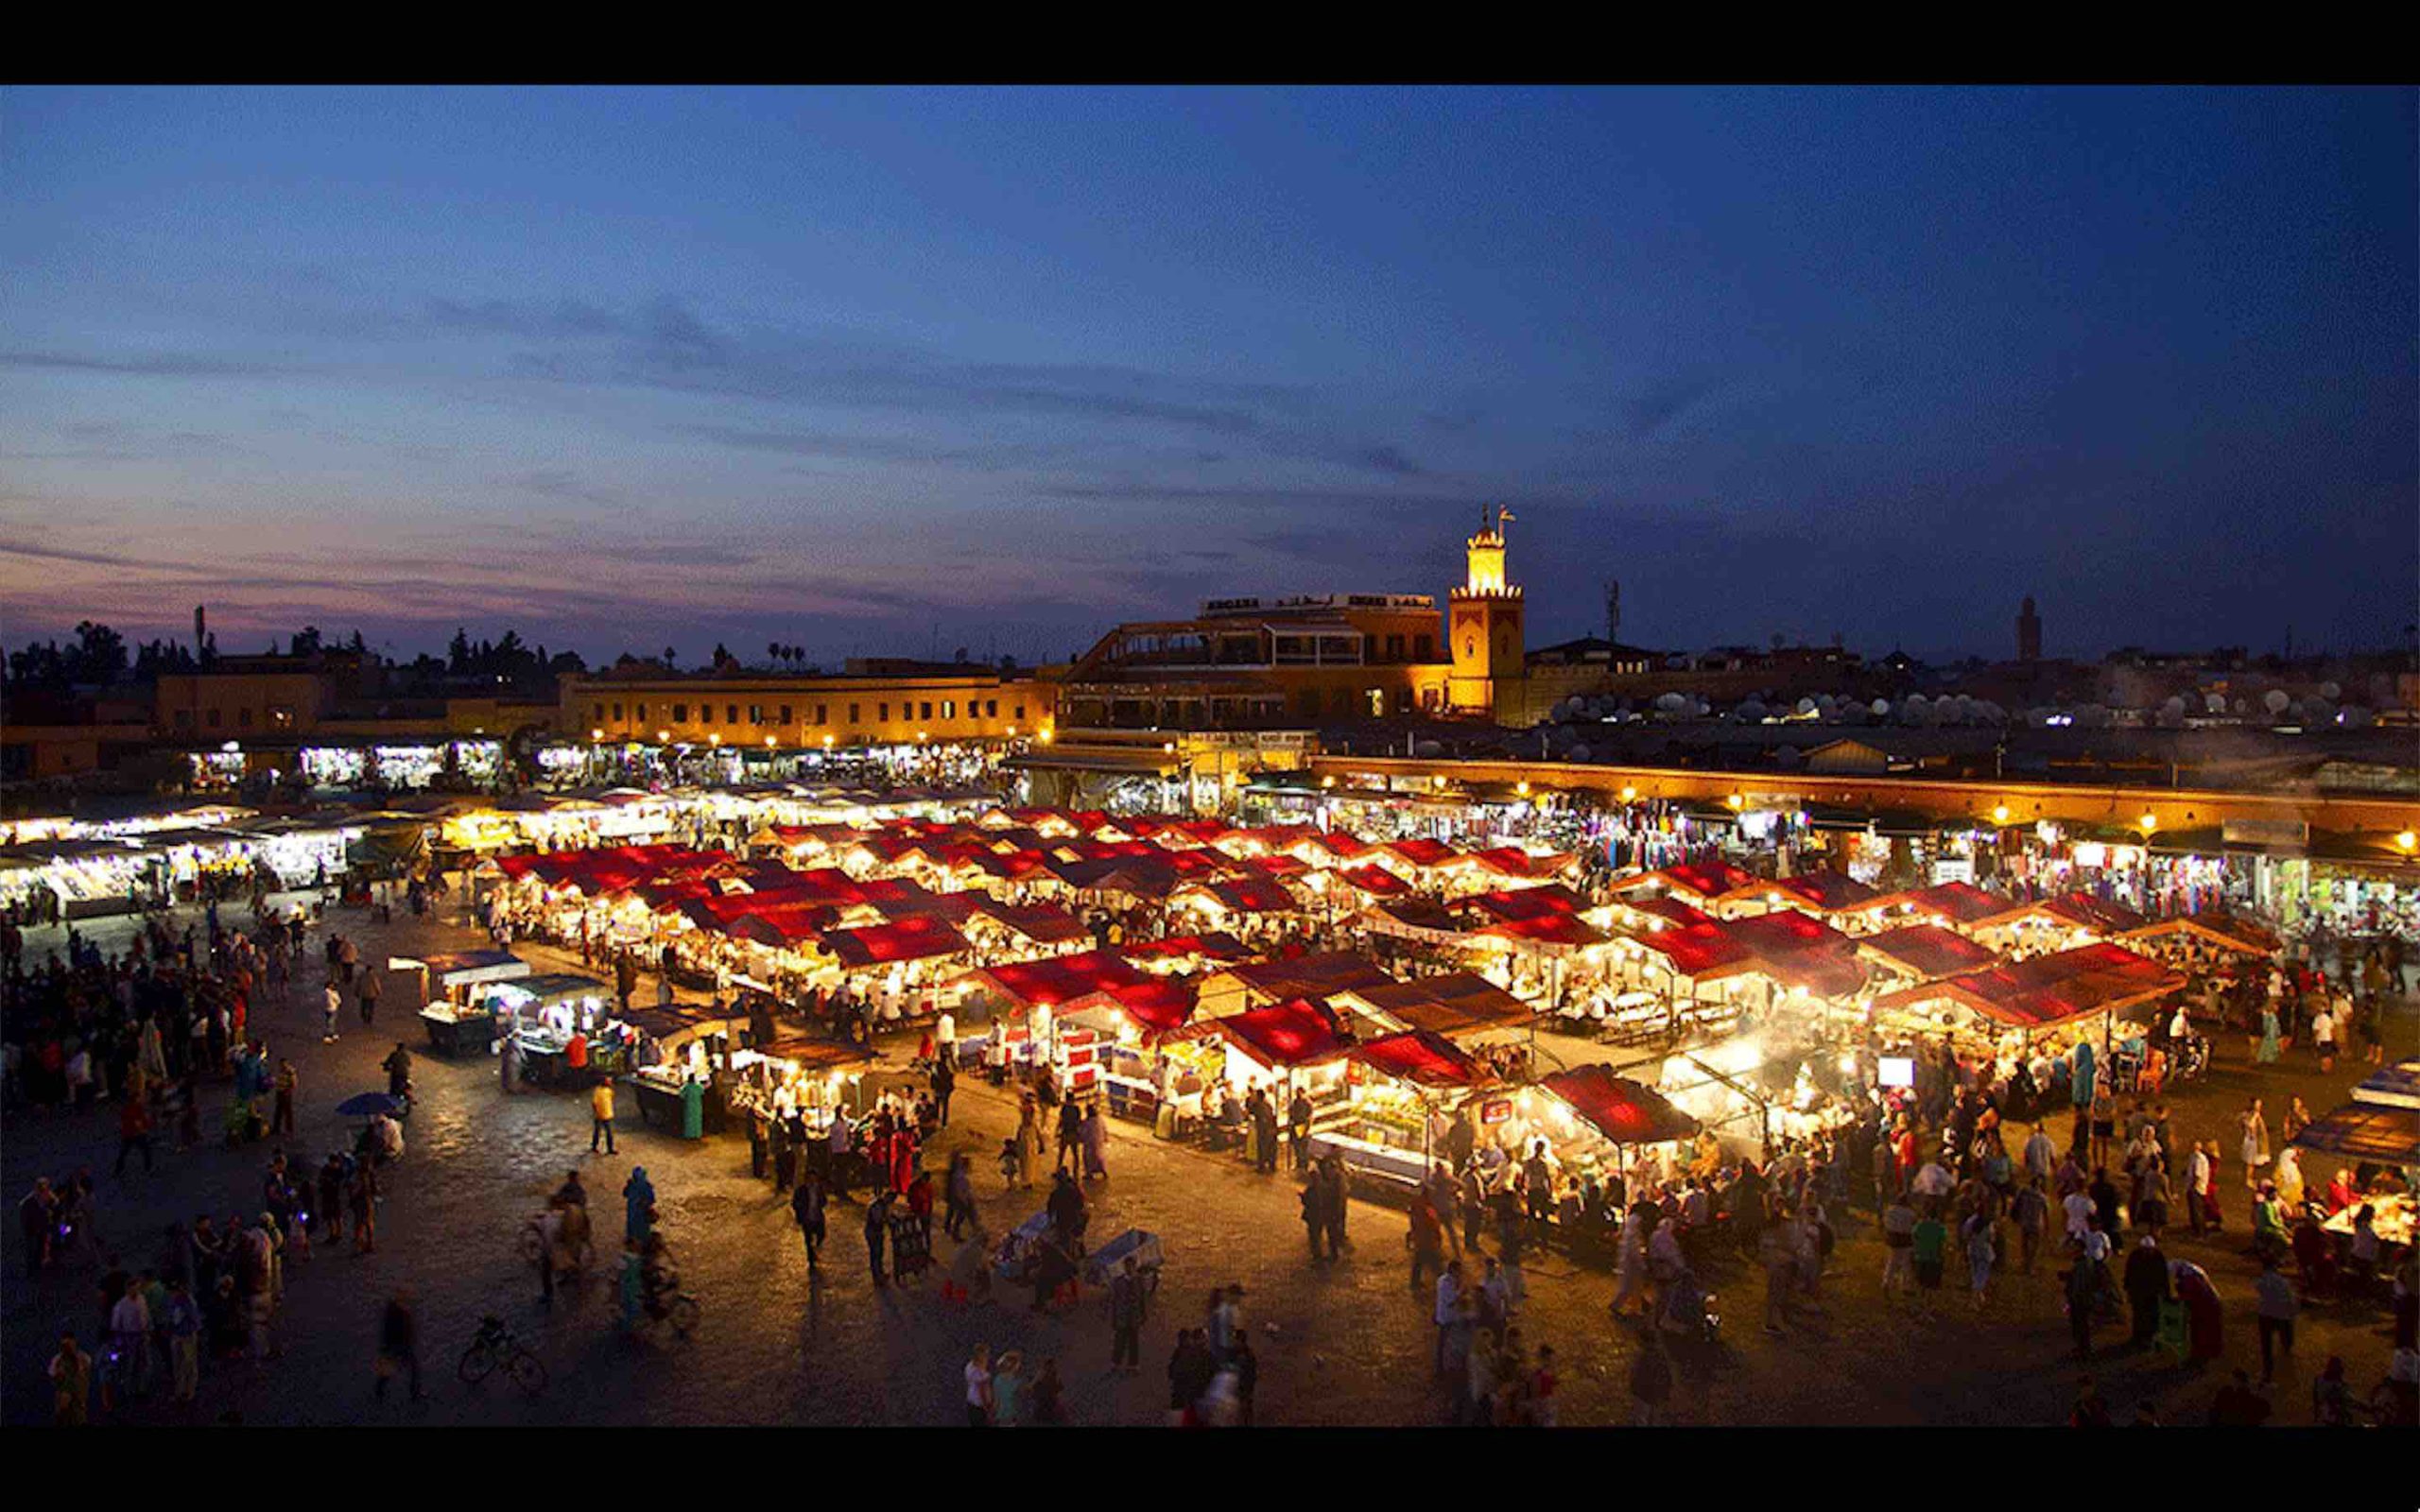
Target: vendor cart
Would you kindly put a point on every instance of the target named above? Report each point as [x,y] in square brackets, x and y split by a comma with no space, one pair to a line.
[1105,1262]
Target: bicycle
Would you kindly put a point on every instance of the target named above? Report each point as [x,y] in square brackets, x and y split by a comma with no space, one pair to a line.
[496,1345]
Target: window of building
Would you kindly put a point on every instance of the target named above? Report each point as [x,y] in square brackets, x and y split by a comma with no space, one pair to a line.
[1394,648]
[597,716]
[755,713]
[991,708]
[852,714]
[882,712]
[617,712]
[184,719]
[822,713]
[786,714]
[949,708]
[928,714]
[212,720]
[641,715]
[731,714]
[1421,647]
[680,714]
[1017,712]
[281,716]
[244,718]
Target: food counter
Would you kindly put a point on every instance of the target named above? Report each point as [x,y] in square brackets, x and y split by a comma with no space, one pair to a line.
[2390,1214]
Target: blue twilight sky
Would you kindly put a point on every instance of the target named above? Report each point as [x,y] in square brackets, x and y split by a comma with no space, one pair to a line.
[909,370]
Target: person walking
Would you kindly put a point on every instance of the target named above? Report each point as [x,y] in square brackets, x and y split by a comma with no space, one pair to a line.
[2278,1306]
[806,1207]
[334,1005]
[1093,1133]
[944,1086]
[399,1345]
[1071,1125]
[600,1112]
[2146,1289]
[978,1387]
[1126,1303]
[958,1196]
[133,1132]
[877,1224]
[371,986]
[281,1120]
[182,1327]
[71,1383]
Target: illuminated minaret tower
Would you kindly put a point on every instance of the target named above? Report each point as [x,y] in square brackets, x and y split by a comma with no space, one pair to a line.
[1483,626]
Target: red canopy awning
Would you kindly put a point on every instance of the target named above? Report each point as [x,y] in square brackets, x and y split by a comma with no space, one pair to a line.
[1283,1034]
[1624,1111]
[1420,1058]
[908,939]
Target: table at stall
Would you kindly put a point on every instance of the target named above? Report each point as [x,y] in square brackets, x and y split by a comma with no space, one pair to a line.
[456,1025]
[2390,1215]
[544,1013]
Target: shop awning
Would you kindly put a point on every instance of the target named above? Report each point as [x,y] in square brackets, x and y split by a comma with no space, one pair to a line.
[1053,980]
[1316,977]
[463,968]
[1960,903]
[1702,880]
[1547,934]
[810,1055]
[2363,1131]
[1283,1034]
[1823,892]
[1240,895]
[1161,1005]
[908,939]
[2045,991]
[2393,1087]
[1624,1111]
[1424,854]
[2228,931]
[1414,919]
[1456,1003]
[1927,951]
[2073,910]
[1214,945]
[1552,899]
[1375,881]
[1042,923]
[553,986]
[1423,1058]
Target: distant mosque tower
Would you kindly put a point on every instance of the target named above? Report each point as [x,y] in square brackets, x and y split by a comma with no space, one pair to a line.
[1613,608]
[1484,631]
[2029,632]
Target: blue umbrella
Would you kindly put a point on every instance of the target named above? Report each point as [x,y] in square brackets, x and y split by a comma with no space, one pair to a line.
[367,1104]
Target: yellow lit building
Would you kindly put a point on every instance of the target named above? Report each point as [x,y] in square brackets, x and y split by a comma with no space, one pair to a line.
[809,711]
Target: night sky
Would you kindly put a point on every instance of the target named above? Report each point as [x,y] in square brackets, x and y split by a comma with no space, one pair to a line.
[907,371]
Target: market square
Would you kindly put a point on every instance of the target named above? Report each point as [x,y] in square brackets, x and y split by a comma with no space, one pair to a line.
[1283,863]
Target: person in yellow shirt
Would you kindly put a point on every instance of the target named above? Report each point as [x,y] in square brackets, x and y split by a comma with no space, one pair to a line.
[600,1107]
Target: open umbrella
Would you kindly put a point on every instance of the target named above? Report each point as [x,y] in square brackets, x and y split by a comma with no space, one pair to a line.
[367,1104]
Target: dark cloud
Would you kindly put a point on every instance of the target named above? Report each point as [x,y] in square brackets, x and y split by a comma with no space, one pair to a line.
[1664,400]
[158,364]
[863,448]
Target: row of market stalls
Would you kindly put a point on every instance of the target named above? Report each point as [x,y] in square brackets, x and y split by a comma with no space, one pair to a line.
[123,869]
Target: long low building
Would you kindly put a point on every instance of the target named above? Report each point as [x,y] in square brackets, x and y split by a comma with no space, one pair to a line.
[2356,826]
[937,704]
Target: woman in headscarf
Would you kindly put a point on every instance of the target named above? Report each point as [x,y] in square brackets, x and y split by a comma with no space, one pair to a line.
[638,1206]
[2204,1319]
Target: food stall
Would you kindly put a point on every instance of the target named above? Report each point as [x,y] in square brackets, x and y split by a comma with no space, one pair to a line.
[1396,1088]
[543,1013]
[1597,1122]
[663,1049]
[1283,1047]
[457,1025]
